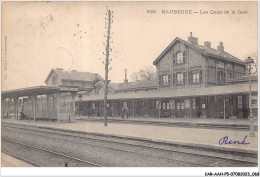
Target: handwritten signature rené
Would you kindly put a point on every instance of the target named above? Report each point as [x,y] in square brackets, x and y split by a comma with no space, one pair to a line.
[225,140]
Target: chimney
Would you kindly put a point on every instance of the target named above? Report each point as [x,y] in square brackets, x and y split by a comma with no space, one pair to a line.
[193,40]
[220,47]
[207,44]
[126,80]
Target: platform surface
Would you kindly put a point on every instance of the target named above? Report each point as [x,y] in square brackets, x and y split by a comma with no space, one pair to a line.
[198,120]
[8,161]
[193,136]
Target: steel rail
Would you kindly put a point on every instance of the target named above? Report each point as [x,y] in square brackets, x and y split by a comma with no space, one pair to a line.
[52,152]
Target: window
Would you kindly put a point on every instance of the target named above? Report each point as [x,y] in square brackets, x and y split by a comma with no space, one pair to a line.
[254,103]
[178,105]
[182,105]
[221,77]
[193,103]
[165,79]
[172,104]
[195,77]
[158,105]
[180,78]
[187,104]
[179,57]
[230,75]
[239,102]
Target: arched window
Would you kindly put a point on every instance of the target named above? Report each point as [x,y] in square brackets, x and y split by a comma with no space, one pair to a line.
[180,57]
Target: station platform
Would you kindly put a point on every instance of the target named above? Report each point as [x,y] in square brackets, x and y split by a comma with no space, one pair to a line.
[180,135]
[193,120]
[8,161]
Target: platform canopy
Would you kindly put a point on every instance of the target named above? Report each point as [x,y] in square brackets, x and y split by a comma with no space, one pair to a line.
[30,91]
[208,91]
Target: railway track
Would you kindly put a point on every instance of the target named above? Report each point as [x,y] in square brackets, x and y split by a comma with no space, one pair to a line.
[176,124]
[18,150]
[175,154]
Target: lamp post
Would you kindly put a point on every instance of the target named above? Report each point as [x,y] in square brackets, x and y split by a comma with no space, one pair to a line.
[249,66]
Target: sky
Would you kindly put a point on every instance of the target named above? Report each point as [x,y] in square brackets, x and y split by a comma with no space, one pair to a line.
[39,36]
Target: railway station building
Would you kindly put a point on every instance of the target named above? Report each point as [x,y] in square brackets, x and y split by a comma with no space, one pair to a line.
[192,80]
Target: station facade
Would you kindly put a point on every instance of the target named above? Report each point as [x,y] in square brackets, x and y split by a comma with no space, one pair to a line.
[192,81]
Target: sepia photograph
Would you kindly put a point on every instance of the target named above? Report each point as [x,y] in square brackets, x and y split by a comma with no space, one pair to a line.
[130,84]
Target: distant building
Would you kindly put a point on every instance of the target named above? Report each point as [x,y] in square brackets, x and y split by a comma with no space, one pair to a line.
[84,81]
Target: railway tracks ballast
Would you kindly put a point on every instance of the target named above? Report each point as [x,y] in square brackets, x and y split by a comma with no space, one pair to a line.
[110,150]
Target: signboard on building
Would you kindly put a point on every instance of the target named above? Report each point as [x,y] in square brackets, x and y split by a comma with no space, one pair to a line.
[70,89]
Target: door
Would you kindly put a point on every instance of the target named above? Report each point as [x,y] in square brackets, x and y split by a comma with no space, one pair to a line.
[180,108]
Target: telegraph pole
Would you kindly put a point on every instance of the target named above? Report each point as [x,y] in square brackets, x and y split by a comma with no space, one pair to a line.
[107,61]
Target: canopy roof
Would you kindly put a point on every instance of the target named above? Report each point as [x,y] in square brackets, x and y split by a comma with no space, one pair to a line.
[30,91]
[215,90]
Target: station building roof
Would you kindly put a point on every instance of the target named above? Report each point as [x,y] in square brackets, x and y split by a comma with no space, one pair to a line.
[75,75]
[140,84]
[208,91]
[200,48]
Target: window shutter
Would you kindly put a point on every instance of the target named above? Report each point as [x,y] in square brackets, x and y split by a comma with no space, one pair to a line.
[173,58]
[184,79]
[189,77]
[200,76]
[173,78]
[160,80]
[184,57]
[169,79]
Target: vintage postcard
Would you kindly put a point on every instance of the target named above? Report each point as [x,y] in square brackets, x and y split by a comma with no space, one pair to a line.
[130,84]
